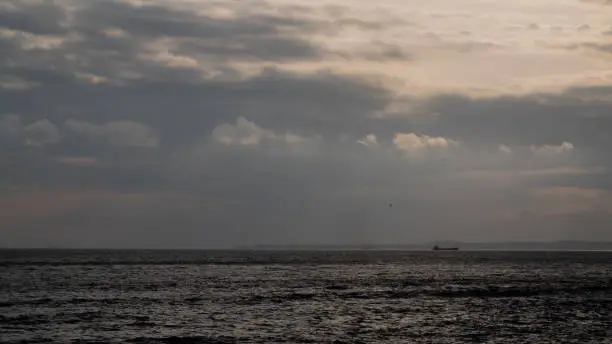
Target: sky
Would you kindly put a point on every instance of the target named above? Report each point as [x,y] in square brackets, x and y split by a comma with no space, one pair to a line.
[195,124]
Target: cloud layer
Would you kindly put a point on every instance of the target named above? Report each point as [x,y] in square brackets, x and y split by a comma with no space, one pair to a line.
[180,124]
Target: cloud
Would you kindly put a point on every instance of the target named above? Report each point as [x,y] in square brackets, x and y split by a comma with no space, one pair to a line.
[43,132]
[577,115]
[35,18]
[115,133]
[8,82]
[601,47]
[172,60]
[243,133]
[411,142]
[274,99]
[112,40]
[553,149]
[40,133]
[369,141]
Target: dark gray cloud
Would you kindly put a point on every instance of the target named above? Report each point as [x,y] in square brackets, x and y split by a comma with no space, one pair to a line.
[116,133]
[249,36]
[274,99]
[580,115]
[110,40]
[602,47]
[157,20]
[45,18]
[117,41]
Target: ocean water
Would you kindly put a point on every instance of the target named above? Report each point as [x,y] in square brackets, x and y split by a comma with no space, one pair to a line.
[305,297]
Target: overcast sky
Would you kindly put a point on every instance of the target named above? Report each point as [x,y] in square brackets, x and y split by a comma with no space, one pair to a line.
[197,123]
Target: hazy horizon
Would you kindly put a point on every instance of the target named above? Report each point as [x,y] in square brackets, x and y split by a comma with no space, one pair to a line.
[192,123]
[556,245]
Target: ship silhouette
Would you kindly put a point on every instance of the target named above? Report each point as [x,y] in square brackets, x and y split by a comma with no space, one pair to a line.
[438,248]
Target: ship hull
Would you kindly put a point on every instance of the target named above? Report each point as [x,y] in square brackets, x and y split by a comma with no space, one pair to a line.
[436,248]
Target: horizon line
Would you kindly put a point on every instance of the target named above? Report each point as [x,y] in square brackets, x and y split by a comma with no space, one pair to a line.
[352,247]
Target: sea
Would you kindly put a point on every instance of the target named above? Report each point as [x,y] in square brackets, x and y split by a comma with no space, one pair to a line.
[251,296]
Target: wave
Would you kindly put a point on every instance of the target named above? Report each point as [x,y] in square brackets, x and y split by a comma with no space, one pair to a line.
[491,291]
[334,291]
[76,301]
[518,291]
[238,257]
[55,318]
[185,340]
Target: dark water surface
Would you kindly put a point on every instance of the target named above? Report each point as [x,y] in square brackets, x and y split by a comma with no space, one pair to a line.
[305,297]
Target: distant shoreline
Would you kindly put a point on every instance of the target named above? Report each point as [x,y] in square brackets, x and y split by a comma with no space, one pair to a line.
[463,246]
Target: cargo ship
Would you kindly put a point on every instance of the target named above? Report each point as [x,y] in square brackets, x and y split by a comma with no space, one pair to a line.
[438,248]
